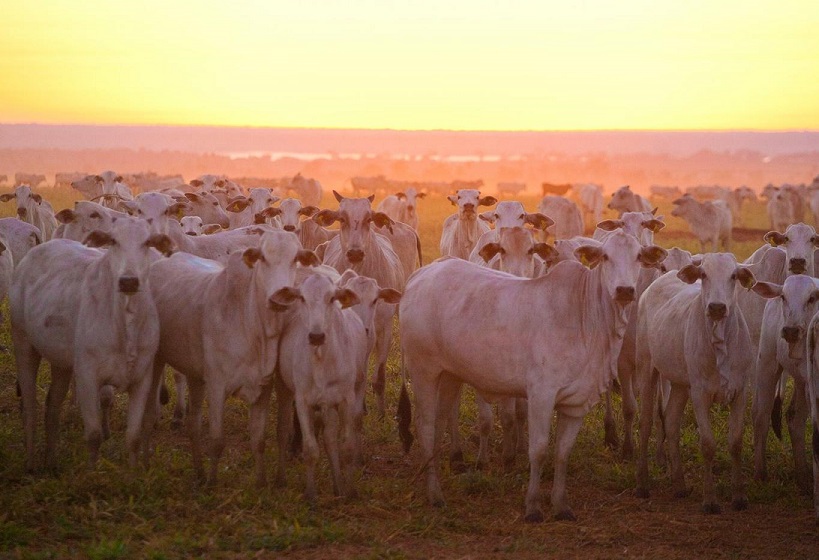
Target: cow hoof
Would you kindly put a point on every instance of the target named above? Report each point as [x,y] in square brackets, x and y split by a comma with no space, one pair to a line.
[740,504]
[565,515]
[534,517]
[711,508]
[643,493]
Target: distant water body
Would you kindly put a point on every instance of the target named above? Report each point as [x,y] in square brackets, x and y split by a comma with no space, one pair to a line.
[312,156]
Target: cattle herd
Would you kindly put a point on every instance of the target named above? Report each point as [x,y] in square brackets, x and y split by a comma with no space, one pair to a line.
[242,292]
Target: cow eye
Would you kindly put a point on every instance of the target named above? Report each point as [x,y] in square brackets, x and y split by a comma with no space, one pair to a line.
[95,215]
[734,276]
[216,204]
[812,300]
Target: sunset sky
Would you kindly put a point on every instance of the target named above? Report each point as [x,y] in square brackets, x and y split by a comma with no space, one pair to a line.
[462,65]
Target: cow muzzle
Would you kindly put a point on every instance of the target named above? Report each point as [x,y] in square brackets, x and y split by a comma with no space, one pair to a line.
[791,334]
[355,256]
[798,266]
[717,311]
[128,284]
[21,212]
[289,228]
[469,210]
[316,339]
[625,294]
[191,233]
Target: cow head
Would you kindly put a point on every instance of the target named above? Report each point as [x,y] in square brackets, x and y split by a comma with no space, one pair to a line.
[292,213]
[510,213]
[354,215]
[369,295]
[642,225]
[27,201]
[191,225]
[157,209]
[799,302]
[468,200]
[799,242]
[720,276]
[517,251]
[206,206]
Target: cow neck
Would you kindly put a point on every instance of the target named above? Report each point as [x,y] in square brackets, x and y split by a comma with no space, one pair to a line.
[722,335]
[467,235]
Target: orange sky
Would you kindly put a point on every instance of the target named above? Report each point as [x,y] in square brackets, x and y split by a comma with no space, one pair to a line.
[463,65]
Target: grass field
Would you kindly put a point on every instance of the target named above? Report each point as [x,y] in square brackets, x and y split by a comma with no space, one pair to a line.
[116,512]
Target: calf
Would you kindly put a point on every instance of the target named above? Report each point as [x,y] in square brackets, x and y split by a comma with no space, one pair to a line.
[89,313]
[691,333]
[322,366]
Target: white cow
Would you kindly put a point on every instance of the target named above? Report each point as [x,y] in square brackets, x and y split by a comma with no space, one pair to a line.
[31,179]
[219,329]
[248,211]
[323,367]
[295,217]
[691,333]
[191,225]
[461,231]
[789,310]
[508,213]
[91,315]
[590,198]
[107,187]
[553,339]
[624,200]
[20,237]
[86,217]
[206,206]
[568,221]
[710,221]
[33,209]
[360,248]
[402,206]
[781,210]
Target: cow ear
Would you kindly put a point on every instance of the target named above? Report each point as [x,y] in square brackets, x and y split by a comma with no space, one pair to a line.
[654,225]
[775,238]
[346,297]
[193,197]
[400,195]
[66,216]
[271,212]
[690,273]
[745,277]
[382,220]
[197,183]
[2,247]
[453,199]
[308,211]
[488,216]
[237,205]
[389,295]
[652,256]
[421,195]
[545,251]
[339,198]
[610,225]
[98,238]
[118,179]
[307,258]
[539,221]
[371,198]
[37,198]
[251,255]
[768,290]
[326,217]
[161,243]
[815,240]
[219,183]
[487,201]
[211,228]
[489,250]
[98,178]
[8,196]
[589,255]
[282,298]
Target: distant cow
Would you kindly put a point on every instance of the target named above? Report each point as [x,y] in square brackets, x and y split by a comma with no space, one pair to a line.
[31,179]
[624,200]
[710,221]
[568,221]
[510,189]
[589,197]
[107,187]
[402,206]
[558,190]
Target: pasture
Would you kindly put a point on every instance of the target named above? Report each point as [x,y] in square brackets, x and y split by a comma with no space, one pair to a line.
[114,511]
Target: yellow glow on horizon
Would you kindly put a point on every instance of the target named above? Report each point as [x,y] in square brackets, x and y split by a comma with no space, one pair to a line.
[463,65]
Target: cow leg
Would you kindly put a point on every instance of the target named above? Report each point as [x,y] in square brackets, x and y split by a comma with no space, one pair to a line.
[508,415]
[196,388]
[284,428]
[648,398]
[567,430]
[106,404]
[485,421]
[521,411]
[152,411]
[449,405]
[609,425]
[310,449]
[383,339]
[88,397]
[60,380]
[28,362]
[673,421]
[767,377]
[180,405]
[815,441]
[138,399]
[629,402]
[708,447]
[797,415]
[425,393]
[348,416]
[331,423]
[256,425]
[456,452]
[736,421]
[541,408]
[216,410]
[662,397]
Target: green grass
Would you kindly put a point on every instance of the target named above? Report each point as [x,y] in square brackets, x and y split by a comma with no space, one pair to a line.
[113,511]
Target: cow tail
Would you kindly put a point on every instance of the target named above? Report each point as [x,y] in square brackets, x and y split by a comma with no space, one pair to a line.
[404,413]
[776,414]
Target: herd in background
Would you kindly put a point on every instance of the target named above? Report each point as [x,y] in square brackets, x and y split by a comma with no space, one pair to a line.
[241,297]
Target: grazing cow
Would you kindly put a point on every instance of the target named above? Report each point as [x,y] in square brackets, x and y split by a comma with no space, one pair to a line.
[107,187]
[789,310]
[30,179]
[692,334]
[624,200]
[568,221]
[589,197]
[511,189]
[248,211]
[710,221]
[323,367]
[91,315]
[462,230]
[310,233]
[553,339]
[360,248]
[218,328]
[812,379]
[86,217]
[401,207]
[33,209]
[551,188]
